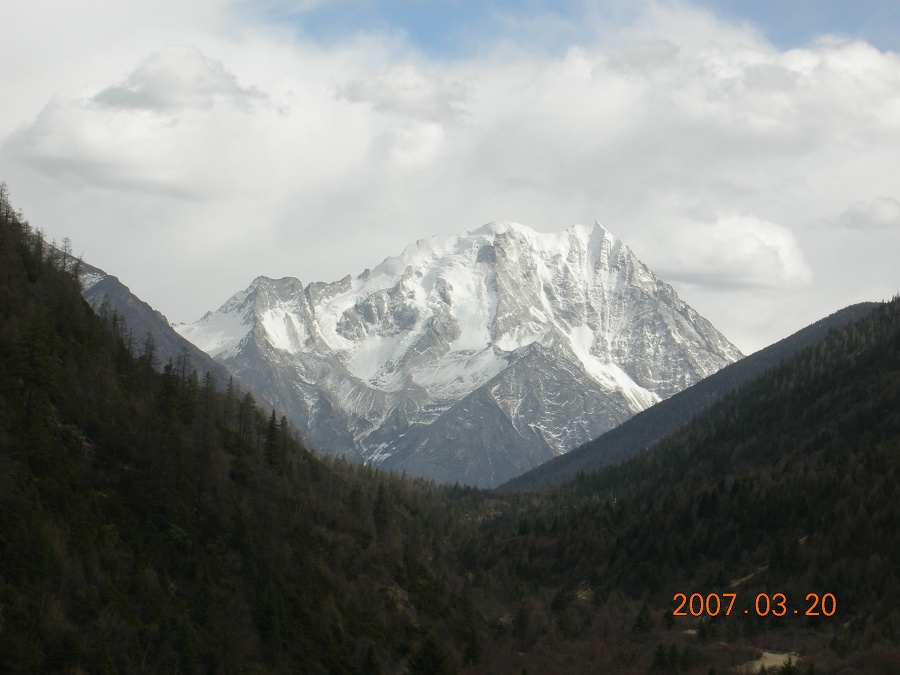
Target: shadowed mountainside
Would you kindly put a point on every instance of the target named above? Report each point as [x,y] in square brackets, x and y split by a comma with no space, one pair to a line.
[107,295]
[650,426]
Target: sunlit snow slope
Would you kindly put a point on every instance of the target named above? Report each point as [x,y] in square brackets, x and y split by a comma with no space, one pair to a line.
[472,357]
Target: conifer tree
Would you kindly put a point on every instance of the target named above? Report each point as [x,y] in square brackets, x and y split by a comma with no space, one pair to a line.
[272,444]
[380,510]
[430,658]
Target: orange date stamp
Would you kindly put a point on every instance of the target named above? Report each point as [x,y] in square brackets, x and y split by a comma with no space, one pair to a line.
[776,604]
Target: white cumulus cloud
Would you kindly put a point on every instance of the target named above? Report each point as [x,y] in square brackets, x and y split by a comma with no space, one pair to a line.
[735,251]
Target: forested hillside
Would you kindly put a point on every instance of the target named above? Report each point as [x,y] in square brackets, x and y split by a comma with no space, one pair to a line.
[789,485]
[160,522]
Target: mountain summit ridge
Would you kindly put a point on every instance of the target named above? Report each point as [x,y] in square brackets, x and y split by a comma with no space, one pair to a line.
[453,328]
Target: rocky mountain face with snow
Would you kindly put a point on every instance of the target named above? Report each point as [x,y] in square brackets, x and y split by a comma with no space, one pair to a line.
[468,358]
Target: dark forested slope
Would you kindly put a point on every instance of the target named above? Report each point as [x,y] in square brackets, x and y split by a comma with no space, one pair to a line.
[789,485]
[160,522]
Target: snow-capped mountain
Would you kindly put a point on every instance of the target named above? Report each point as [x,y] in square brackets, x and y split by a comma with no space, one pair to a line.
[473,357]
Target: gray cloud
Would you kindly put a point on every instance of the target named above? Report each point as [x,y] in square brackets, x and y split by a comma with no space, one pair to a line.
[178,78]
[407,91]
[882,212]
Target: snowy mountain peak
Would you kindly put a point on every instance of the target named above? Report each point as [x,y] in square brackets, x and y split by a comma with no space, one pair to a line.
[453,328]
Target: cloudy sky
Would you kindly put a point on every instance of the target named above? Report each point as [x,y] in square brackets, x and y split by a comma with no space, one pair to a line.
[749,153]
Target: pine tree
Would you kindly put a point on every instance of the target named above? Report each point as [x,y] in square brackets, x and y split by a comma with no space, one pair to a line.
[644,621]
[660,659]
[430,658]
[245,417]
[149,355]
[380,511]
[272,445]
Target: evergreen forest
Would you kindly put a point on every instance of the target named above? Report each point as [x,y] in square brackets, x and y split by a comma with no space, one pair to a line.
[156,519]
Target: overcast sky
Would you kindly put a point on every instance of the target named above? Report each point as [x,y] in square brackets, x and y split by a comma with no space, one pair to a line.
[748,152]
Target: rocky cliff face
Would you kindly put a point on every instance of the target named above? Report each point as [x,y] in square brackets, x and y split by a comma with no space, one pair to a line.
[473,357]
